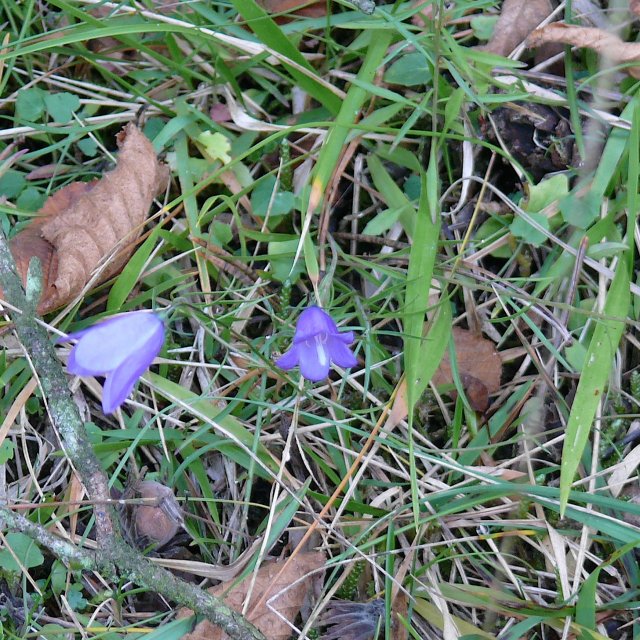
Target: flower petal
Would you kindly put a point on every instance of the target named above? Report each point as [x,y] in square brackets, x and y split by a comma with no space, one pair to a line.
[74,336]
[340,353]
[314,360]
[314,321]
[121,380]
[75,368]
[348,337]
[289,359]
[107,345]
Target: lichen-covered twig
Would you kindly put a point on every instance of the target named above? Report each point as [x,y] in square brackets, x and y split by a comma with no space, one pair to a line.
[115,557]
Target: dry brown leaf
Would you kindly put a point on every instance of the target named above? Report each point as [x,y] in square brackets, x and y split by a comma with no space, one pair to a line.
[306,8]
[159,520]
[599,40]
[47,171]
[479,367]
[424,16]
[400,608]
[518,18]
[505,474]
[400,409]
[266,586]
[85,223]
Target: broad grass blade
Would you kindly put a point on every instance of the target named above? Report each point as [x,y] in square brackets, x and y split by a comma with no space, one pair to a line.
[600,354]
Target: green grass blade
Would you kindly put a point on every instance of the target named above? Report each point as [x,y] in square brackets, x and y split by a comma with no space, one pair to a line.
[227,425]
[600,354]
[420,272]
[356,95]
[127,279]
[269,33]
[421,263]
[333,146]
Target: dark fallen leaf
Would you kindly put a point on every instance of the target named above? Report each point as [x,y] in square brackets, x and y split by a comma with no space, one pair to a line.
[479,367]
[268,583]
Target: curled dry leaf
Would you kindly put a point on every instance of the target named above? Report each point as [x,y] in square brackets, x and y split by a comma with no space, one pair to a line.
[287,601]
[159,519]
[479,367]
[518,18]
[87,223]
[599,40]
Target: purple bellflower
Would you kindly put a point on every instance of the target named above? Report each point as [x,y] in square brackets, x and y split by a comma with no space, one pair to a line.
[316,344]
[121,348]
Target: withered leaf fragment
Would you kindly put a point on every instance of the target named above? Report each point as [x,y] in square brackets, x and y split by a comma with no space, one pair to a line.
[306,8]
[479,367]
[86,225]
[158,519]
[601,41]
[518,18]
[287,601]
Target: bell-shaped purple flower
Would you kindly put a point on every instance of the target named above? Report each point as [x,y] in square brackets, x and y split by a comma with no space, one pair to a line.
[121,348]
[316,344]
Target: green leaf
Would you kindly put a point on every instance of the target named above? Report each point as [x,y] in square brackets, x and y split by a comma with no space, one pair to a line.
[582,211]
[261,196]
[58,576]
[409,70]
[60,106]
[24,548]
[222,233]
[76,599]
[6,451]
[606,250]
[483,26]
[11,183]
[433,346]
[392,194]
[576,355]
[31,199]
[522,230]
[421,263]
[52,632]
[88,146]
[411,187]
[216,146]
[382,222]
[597,366]
[259,21]
[286,509]
[173,630]
[281,255]
[430,612]
[546,192]
[30,104]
